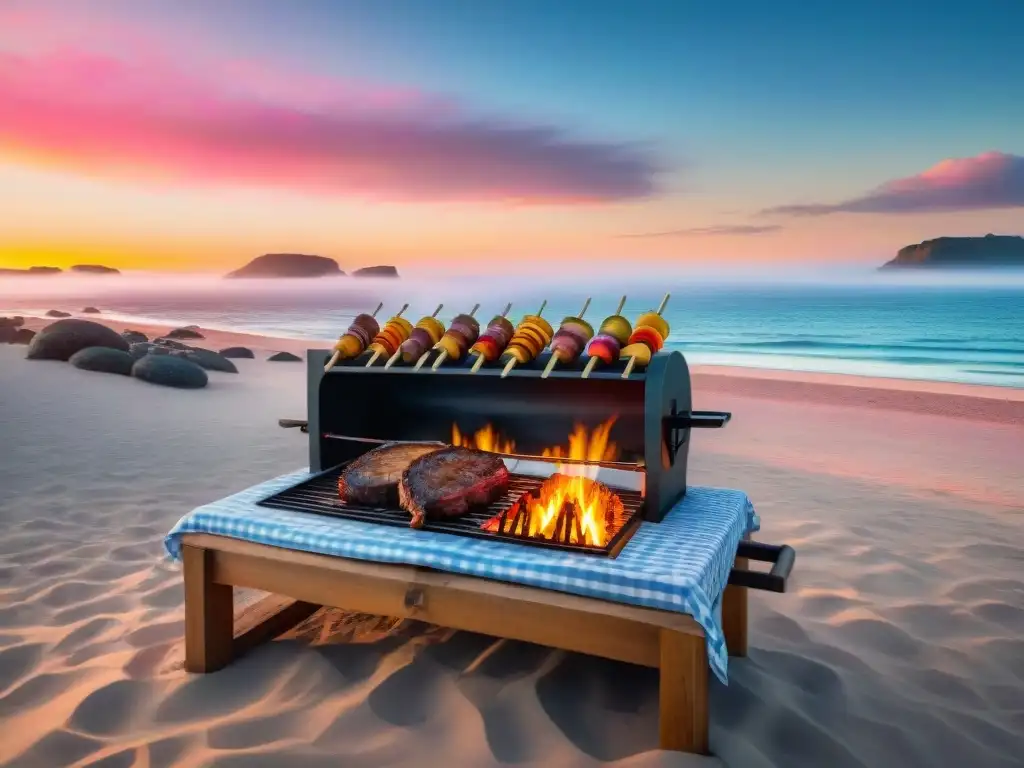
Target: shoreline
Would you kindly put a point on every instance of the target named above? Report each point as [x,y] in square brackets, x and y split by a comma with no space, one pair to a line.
[1001,405]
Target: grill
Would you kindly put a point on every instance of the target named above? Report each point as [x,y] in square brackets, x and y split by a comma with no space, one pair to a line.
[319,495]
[352,407]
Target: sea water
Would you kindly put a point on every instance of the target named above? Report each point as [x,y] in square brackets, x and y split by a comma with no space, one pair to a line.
[949,330]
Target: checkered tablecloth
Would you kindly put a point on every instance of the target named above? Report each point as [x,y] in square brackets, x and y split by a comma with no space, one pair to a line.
[681,564]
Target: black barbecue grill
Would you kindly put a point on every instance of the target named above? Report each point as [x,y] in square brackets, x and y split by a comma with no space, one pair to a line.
[352,408]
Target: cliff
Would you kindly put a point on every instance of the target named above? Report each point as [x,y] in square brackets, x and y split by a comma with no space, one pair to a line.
[288,265]
[988,252]
[380,271]
[32,271]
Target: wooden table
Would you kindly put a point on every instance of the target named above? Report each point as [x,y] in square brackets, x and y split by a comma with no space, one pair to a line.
[671,642]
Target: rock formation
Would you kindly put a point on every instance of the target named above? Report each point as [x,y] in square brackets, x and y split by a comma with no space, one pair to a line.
[288,265]
[988,252]
[378,271]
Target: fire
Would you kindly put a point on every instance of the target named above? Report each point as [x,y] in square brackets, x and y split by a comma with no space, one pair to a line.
[567,509]
[486,439]
[584,446]
[571,506]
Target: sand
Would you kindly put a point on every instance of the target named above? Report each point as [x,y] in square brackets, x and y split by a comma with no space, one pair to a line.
[901,642]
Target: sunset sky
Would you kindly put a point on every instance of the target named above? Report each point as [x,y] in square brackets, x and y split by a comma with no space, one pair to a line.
[189,135]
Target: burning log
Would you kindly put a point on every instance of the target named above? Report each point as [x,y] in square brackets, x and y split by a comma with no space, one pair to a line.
[565,509]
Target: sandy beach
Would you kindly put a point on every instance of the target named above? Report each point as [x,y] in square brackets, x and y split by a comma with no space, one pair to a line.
[901,642]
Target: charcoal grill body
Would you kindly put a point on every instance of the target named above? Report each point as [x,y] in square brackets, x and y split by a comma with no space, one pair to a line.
[654,410]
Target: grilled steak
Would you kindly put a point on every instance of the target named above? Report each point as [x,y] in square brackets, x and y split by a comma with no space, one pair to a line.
[448,482]
[372,479]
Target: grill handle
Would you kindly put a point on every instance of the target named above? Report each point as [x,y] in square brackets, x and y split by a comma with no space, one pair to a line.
[698,419]
[302,424]
[781,556]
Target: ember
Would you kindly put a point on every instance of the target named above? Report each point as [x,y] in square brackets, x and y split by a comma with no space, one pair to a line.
[565,509]
[571,506]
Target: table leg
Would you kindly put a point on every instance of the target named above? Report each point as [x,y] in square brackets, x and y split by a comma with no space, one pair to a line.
[209,614]
[734,615]
[683,692]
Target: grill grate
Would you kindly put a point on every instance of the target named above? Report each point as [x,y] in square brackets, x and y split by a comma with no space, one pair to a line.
[319,495]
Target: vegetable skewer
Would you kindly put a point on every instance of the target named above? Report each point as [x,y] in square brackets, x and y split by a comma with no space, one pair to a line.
[647,339]
[427,333]
[530,339]
[568,343]
[357,338]
[395,331]
[493,340]
[611,338]
[462,324]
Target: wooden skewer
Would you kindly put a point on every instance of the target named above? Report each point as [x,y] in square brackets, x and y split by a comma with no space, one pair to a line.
[513,361]
[632,361]
[425,355]
[554,358]
[480,358]
[337,352]
[592,362]
[398,352]
[444,355]
[378,353]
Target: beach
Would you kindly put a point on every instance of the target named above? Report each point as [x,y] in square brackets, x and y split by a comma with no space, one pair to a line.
[900,642]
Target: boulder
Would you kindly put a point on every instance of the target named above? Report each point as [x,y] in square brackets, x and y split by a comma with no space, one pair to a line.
[7,333]
[185,333]
[140,349]
[23,336]
[90,311]
[103,360]
[284,357]
[207,358]
[134,337]
[60,340]
[239,353]
[170,371]
[170,343]
[57,313]
[12,322]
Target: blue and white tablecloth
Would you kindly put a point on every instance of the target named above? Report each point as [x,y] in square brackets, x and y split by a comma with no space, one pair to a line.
[681,564]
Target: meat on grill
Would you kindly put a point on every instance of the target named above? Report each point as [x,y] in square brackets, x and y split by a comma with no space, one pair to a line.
[448,482]
[372,479]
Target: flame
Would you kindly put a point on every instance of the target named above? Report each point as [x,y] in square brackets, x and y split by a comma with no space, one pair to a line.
[584,446]
[571,506]
[486,439]
[568,509]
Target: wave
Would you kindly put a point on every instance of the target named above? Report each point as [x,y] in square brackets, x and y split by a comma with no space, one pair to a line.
[821,343]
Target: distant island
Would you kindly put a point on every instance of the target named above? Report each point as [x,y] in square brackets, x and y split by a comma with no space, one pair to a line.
[988,252]
[87,269]
[381,271]
[95,269]
[303,265]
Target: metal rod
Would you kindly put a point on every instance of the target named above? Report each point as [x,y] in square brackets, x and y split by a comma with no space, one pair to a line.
[624,465]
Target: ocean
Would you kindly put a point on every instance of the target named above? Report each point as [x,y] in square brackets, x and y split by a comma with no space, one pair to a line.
[947,330]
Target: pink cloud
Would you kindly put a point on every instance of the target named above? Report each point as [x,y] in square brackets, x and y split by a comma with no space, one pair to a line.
[244,123]
[987,181]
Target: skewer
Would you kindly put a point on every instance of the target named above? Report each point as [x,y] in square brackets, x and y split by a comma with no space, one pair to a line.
[632,360]
[378,353]
[512,361]
[637,466]
[554,358]
[398,352]
[443,356]
[480,358]
[592,362]
[337,352]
